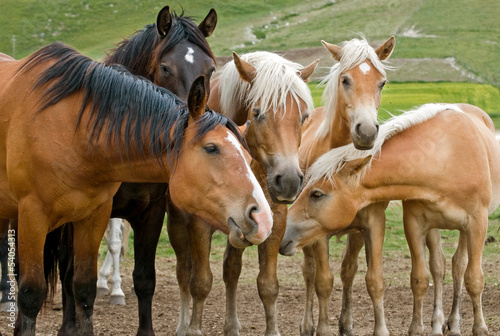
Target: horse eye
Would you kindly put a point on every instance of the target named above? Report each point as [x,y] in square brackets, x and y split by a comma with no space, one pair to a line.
[256,113]
[316,194]
[211,72]
[381,85]
[345,81]
[304,117]
[164,69]
[211,149]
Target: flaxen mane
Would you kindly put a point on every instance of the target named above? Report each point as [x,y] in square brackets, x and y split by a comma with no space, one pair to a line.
[333,161]
[276,78]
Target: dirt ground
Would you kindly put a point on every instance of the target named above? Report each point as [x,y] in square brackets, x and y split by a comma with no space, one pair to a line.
[122,320]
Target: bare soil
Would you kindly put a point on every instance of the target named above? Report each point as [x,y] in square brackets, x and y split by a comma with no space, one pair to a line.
[122,320]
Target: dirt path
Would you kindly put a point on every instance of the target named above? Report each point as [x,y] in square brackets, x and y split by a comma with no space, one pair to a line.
[122,320]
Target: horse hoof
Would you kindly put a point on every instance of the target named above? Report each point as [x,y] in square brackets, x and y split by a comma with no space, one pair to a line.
[8,306]
[117,300]
[101,292]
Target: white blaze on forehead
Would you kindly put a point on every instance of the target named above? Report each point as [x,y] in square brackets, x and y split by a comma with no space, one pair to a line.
[189,55]
[258,194]
[365,68]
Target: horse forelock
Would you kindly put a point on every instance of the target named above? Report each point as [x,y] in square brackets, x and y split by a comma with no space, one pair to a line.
[276,79]
[353,53]
[334,160]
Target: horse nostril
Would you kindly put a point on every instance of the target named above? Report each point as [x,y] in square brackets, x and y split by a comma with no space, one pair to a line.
[250,211]
[377,127]
[301,180]
[277,180]
[358,129]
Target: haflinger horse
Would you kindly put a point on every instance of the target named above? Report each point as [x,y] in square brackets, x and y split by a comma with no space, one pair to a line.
[171,53]
[351,99]
[424,157]
[270,94]
[74,129]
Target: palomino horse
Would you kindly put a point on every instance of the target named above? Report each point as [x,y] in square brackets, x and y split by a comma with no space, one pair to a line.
[270,94]
[74,129]
[424,157]
[352,97]
[170,53]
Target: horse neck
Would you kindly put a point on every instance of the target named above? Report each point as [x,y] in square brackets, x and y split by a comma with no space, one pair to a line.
[340,133]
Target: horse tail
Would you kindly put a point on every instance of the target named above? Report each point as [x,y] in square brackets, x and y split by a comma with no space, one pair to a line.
[51,257]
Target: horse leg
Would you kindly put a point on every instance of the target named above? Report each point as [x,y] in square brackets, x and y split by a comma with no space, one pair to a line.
[267,280]
[147,230]
[200,235]
[114,248]
[323,284]
[105,270]
[6,302]
[437,265]
[309,273]
[178,234]
[32,230]
[231,273]
[66,270]
[374,242]
[419,273]
[348,269]
[474,278]
[459,264]
[88,235]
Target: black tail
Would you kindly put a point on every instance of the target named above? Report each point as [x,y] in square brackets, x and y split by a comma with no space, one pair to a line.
[51,256]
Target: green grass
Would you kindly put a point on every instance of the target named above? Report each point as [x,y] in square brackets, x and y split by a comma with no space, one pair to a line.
[467,30]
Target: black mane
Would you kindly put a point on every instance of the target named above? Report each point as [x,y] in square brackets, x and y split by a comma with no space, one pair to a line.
[142,50]
[119,99]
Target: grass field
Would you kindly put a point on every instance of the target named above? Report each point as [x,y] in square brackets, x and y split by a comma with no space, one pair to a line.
[468,31]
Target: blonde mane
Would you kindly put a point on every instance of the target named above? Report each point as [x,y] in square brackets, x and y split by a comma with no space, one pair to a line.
[354,52]
[276,78]
[333,161]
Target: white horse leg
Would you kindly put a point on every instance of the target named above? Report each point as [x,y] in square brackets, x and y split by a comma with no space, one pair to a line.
[437,265]
[114,247]
[309,274]
[105,271]
[459,264]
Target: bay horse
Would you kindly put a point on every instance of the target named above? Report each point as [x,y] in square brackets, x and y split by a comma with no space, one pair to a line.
[270,94]
[74,129]
[171,53]
[424,157]
[351,96]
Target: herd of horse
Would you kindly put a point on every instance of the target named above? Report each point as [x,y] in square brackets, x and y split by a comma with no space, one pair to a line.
[137,136]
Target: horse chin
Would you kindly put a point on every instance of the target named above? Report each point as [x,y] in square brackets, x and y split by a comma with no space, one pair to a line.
[278,201]
[288,249]
[236,236]
[362,147]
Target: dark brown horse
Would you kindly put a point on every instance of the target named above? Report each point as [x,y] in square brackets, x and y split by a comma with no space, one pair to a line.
[74,129]
[171,53]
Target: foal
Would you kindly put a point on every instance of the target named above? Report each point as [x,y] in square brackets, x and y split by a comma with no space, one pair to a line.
[424,157]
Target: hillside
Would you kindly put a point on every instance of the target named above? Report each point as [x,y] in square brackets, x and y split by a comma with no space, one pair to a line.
[437,40]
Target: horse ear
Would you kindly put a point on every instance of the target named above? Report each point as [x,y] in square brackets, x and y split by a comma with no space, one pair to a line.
[164,21]
[333,49]
[306,72]
[354,167]
[243,128]
[245,69]
[207,26]
[385,50]
[197,98]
